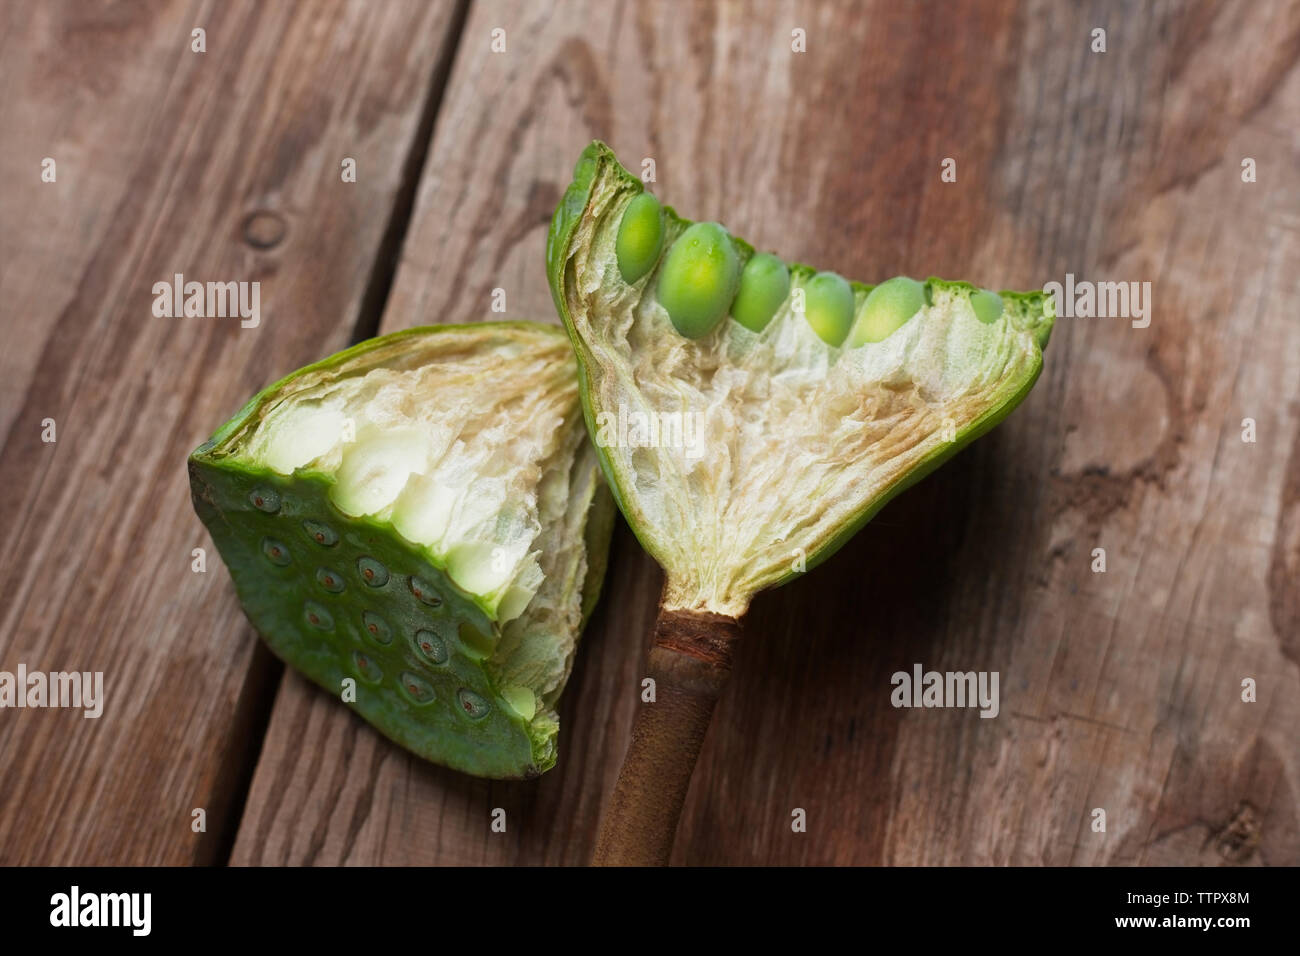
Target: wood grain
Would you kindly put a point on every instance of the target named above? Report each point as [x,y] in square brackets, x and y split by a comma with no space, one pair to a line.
[222,165]
[1119,690]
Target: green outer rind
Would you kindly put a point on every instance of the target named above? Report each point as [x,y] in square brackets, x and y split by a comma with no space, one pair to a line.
[1026,310]
[599,531]
[498,744]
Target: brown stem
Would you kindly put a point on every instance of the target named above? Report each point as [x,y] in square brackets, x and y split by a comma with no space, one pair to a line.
[690,661]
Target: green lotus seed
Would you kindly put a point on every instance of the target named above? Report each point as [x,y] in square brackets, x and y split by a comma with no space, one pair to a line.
[887,309]
[424,591]
[472,704]
[828,306]
[377,627]
[322,534]
[276,551]
[521,700]
[764,285]
[330,580]
[265,499]
[431,646]
[987,305]
[640,237]
[366,667]
[372,572]
[417,688]
[699,279]
[317,616]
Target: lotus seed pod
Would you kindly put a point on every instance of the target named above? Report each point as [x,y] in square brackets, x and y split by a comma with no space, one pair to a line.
[987,305]
[373,573]
[366,668]
[276,551]
[887,309]
[640,237]
[472,705]
[330,580]
[828,306]
[377,628]
[432,646]
[699,279]
[418,690]
[318,616]
[265,499]
[764,285]
[407,514]
[802,444]
[321,533]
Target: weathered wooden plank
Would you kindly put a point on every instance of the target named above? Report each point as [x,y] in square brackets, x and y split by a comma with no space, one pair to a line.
[1118,690]
[223,166]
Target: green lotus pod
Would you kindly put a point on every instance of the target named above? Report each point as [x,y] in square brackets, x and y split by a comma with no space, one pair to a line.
[421,514]
[798,442]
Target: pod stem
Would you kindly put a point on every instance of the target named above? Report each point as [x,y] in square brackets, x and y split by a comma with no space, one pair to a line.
[690,661]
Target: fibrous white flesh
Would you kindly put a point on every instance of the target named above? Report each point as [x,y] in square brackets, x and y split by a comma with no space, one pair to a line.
[470,443]
[797,437]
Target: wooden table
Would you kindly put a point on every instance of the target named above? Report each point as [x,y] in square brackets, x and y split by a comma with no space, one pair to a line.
[1120,690]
